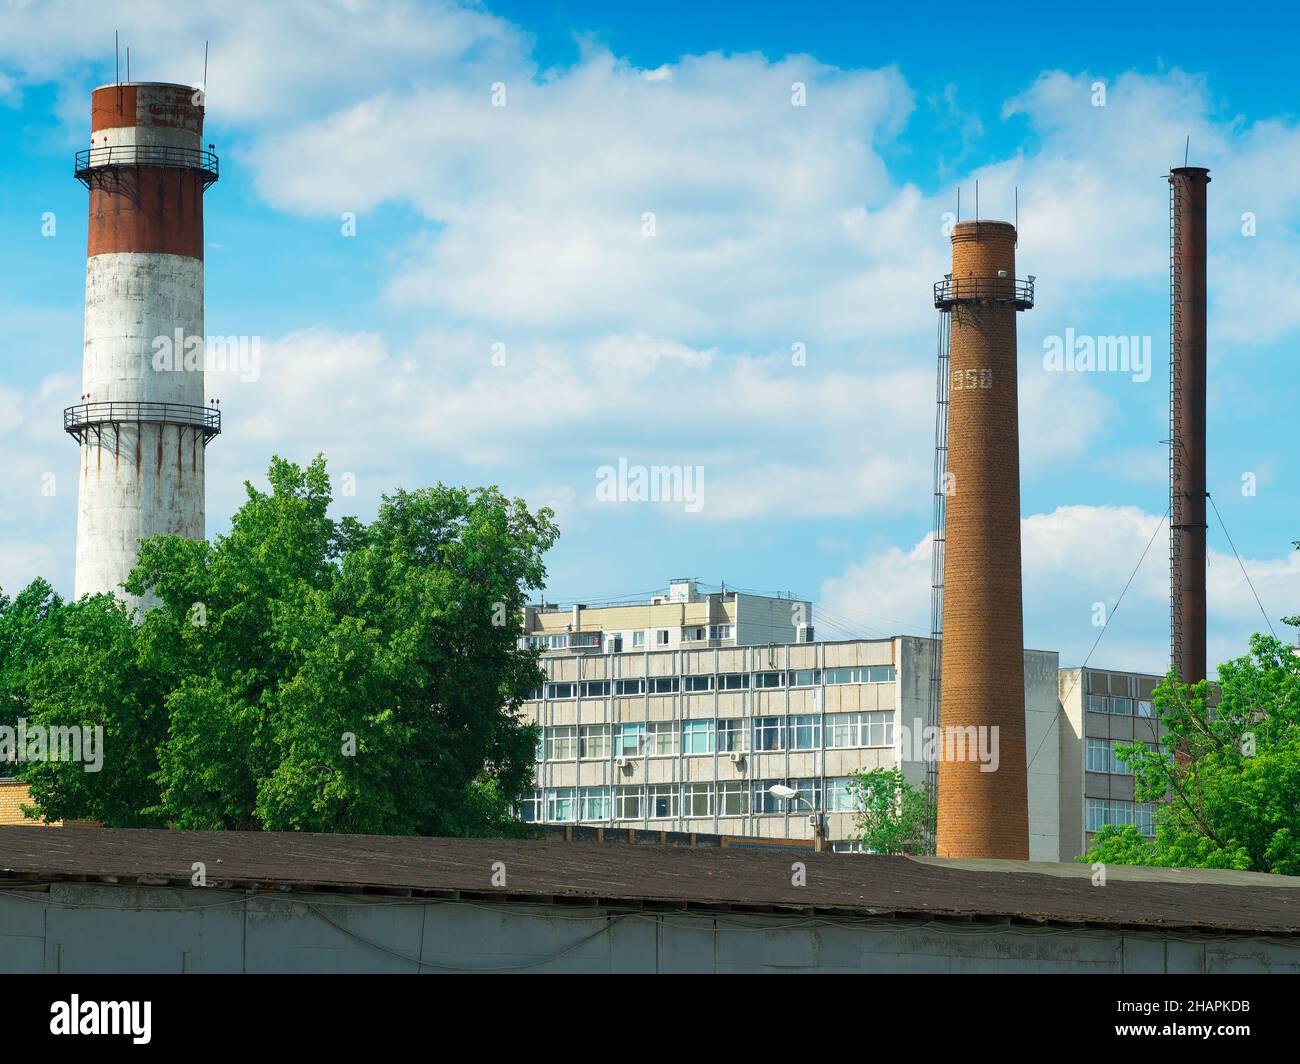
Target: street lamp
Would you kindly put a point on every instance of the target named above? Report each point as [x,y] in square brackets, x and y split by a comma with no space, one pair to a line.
[780,790]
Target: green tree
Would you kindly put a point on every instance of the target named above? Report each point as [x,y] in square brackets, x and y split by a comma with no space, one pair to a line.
[1228,776]
[299,673]
[891,815]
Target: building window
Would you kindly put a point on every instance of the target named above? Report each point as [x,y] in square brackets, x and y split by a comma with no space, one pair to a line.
[860,729]
[720,631]
[638,639]
[663,685]
[878,728]
[1121,707]
[1144,708]
[585,640]
[1098,755]
[594,803]
[731,735]
[805,732]
[661,738]
[663,801]
[593,688]
[810,793]
[693,635]
[768,679]
[547,642]
[699,683]
[769,733]
[733,798]
[629,803]
[616,644]
[804,678]
[765,802]
[629,687]
[1102,812]
[593,741]
[530,808]
[1098,704]
[861,674]
[697,799]
[630,740]
[561,690]
[697,737]
[840,796]
[540,752]
[562,743]
[561,804]
[733,681]
[661,637]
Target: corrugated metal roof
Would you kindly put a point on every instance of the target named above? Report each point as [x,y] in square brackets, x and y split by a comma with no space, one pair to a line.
[724,879]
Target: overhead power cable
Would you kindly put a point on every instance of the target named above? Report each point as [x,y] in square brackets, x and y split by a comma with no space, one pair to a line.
[1109,617]
[1242,564]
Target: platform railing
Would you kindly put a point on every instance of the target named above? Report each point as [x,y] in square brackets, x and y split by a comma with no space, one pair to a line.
[89,417]
[954,290]
[164,156]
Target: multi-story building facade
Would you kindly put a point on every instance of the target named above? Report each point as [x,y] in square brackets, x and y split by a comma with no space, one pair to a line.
[683,734]
[1103,710]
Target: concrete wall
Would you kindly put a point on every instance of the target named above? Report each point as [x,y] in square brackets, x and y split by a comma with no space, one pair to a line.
[760,619]
[1071,758]
[1043,754]
[93,928]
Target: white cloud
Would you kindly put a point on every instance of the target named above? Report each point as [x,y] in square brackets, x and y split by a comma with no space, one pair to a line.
[774,225]
[1074,558]
[771,436]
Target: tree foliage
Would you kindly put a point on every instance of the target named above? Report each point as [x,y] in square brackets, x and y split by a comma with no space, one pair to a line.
[298,673]
[1228,775]
[890,814]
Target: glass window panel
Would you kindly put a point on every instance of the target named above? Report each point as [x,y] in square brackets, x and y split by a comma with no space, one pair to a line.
[733,798]
[769,733]
[663,801]
[595,803]
[629,802]
[697,737]
[593,740]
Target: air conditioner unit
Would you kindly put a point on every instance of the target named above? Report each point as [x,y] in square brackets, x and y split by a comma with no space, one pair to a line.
[814,819]
[622,762]
[738,757]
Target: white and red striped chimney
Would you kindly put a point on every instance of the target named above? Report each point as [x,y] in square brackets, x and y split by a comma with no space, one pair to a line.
[142,422]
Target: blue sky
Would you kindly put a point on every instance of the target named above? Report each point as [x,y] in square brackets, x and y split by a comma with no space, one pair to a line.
[522,230]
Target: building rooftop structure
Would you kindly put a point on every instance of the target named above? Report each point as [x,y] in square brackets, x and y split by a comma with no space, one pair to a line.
[580,874]
[684,617]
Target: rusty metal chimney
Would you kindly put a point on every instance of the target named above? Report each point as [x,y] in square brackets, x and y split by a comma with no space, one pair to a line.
[1187,189]
[983,814]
